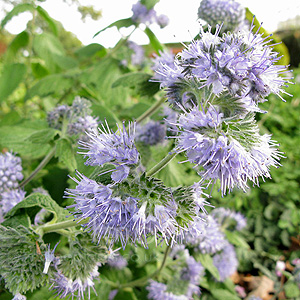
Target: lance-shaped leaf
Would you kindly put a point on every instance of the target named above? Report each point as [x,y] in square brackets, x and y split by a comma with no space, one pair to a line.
[119,24]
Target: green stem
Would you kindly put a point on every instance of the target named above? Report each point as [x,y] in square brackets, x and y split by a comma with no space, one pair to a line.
[151,110]
[59,226]
[161,164]
[142,281]
[42,164]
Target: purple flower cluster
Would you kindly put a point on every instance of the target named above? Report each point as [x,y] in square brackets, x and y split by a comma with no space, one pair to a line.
[117,148]
[66,287]
[117,262]
[224,216]
[205,237]
[141,14]
[129,211]
[241,65]
[212,146]
[76,118]
[227,12]
[18,296]
[138,55]
[151,133]
[158,291]
[226,262]
[10,175]
[10,171]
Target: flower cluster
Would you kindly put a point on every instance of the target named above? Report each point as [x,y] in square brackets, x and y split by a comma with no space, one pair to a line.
[226,262]
[151,133]
[227,12]
[116,148]
[217,83]
[138,55]
[225,216]
[141,14]
[206,237]
[131,210]
[10,175]
[10,171]
[75,119]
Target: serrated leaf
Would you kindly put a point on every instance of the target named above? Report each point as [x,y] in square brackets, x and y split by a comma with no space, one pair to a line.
[65,154]
[16,11]
[90,50]
[50,85]
[48,19]
[43,136]
[22,219]
[43,201]
[140,82]
[207,262]
[155,43]
[235,239]
[12,75]
[119,24]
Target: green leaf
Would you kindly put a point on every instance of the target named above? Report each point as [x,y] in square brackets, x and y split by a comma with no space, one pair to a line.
[17,10]
[49,48]
[65,154]
[43,201]
[43,136]
[235,239]
[221,294]
[51,84]
[12,118]
[149,3]
[48,19]
[155,43]
[207,262]
[15,138]
[22,219]
[119,24]
[38,70]
[291,290]
[20,41]
[90,50]
[12,76]
[140,82]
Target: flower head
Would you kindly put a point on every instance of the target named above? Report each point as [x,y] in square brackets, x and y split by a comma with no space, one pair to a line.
[116,148]
[10,171]
[226,262]
[11,198]
[138,54]
[141,14]
[227,12]
[151,133]
[206,237]
[224,216]
[64,286]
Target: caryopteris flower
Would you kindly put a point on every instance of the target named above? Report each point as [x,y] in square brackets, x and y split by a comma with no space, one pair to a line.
[49,258]
[151,133]
[226,262]
[138,55]
[141,14]
[227,12]
[116,148]
[206,237]
[229,218]
[132,210]
[10,171]
[117,262]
